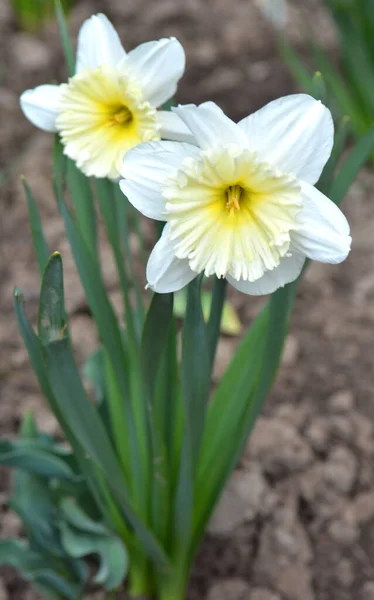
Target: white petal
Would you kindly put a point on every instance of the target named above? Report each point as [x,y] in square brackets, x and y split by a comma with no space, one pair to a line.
[145,168]
[210,126]
[323,233]
[165,272]
[40,106]
[288,270]
[158,66]
[173,128]
[294,133]
[98,44]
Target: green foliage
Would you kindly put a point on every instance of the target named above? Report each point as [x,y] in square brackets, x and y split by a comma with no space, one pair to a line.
[350,84]
[141,470]
[32,14]
[144,461]
[46,495]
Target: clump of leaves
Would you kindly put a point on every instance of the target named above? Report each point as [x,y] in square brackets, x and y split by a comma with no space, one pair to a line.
[66,551]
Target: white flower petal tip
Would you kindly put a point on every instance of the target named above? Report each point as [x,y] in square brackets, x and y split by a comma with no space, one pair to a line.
[41,106]
[173,128]
[146,168]
[165,272]
[98,44]
[323,232]
[210,126]
[294,133]
[288,270]
[158,66]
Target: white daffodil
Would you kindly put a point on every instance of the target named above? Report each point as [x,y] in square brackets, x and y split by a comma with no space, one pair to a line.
[240,203]
[109,106]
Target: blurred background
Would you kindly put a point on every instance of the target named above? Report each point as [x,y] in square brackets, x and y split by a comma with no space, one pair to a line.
[297,519]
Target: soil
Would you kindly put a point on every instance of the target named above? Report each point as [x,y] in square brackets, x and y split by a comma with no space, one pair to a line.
[296,519]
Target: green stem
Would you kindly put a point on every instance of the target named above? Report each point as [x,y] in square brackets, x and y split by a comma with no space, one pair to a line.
[174,586]
[140,577]
[214,323]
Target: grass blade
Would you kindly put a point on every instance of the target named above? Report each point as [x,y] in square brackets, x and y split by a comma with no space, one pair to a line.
[352,166]
[65,39]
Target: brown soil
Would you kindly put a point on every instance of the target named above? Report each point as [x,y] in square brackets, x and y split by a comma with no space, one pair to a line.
[296,519]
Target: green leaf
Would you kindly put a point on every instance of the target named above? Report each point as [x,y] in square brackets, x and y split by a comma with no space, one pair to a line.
[352,166]
[34,457]
[38,569]
[77,409]
[40,245]
[52,324]
[328,174]
[296,65]
[94,371]
[217,307]
[81,537]
[230,322]
[154,343]
[154,338]
[84,205]
[319,87]
[96,484]
[195,372]
[78,518]
[195,381]
[28,427]
[66,43]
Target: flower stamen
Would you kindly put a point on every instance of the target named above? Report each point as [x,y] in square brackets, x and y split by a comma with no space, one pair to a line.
[233,195]
[123,116]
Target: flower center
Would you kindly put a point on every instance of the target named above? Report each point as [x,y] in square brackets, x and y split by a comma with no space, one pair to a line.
[233,194]
[231,214]
[102,115]
[123,116]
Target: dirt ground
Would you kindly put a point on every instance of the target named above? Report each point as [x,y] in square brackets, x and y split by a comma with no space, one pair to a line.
[296,521]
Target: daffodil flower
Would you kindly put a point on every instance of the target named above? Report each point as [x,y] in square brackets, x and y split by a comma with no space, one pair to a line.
[239,202]
[109,106]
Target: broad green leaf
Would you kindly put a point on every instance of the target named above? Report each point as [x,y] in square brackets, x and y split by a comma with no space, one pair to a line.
[35,504]
[81,536]
[38,569]
[195,372]
[154,341]
[78,518]
[40,245]
[32,456]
